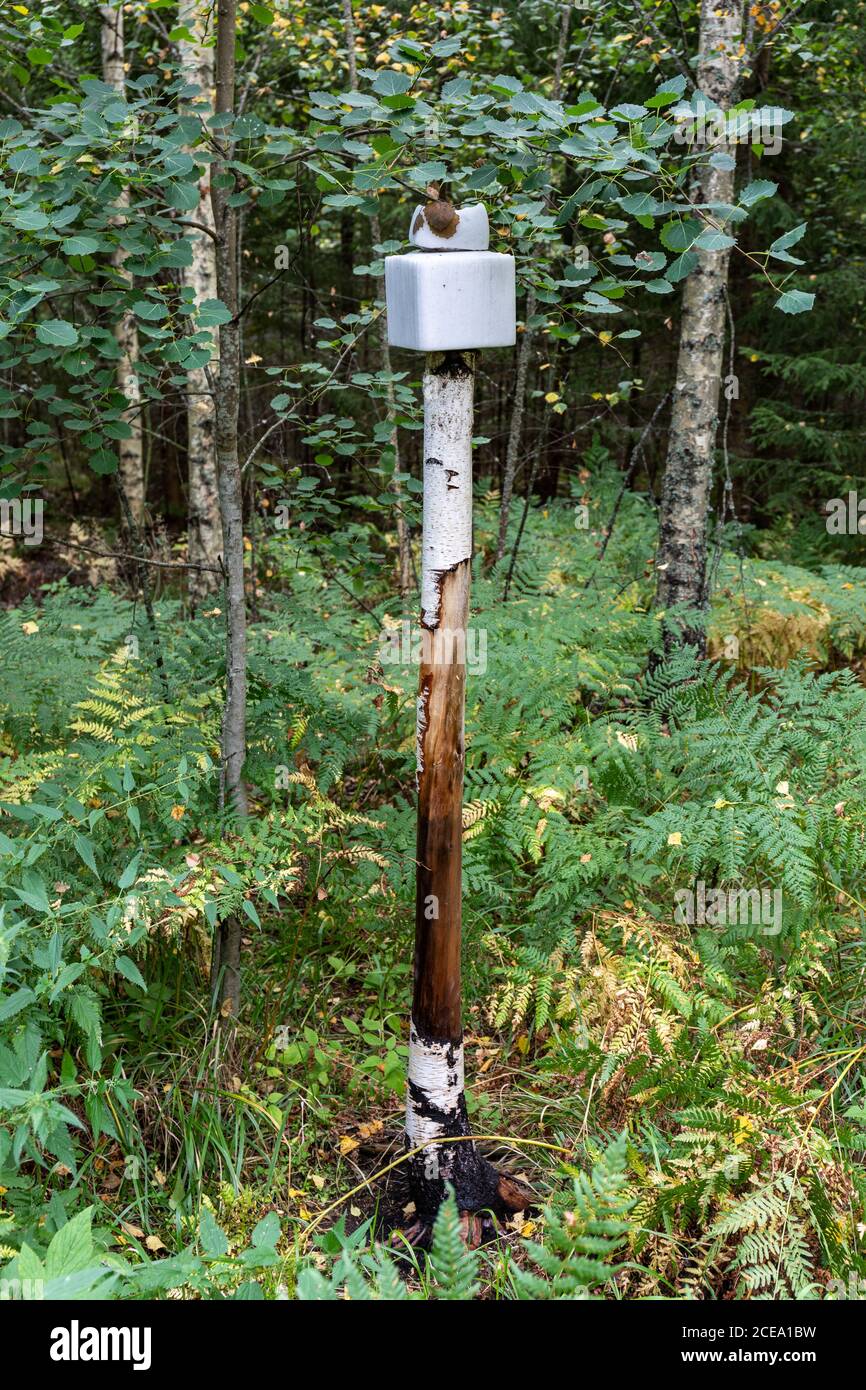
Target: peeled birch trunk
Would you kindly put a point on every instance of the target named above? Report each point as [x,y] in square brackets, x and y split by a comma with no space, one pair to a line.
[203,519]
[130,452]
[436,1103]
[682,550]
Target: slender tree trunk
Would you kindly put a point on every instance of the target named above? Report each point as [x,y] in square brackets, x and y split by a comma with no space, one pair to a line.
[404,545]
[436,1104]
[516,429]
[682,551]
[131,465]
[403,541]
[203,521]
[523,355]
[351,56]
[561,48]
[230,491]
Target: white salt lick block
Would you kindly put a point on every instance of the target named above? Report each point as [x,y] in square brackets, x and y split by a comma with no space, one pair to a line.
[443,300]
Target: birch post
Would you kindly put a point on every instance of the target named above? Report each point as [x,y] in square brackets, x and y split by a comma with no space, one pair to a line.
[445,303]
[435,1104]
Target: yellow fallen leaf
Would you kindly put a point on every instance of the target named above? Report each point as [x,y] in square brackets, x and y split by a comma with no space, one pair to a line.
[365,1130]
[154,1243]
[675,838]
[318,1182]
[347,1144]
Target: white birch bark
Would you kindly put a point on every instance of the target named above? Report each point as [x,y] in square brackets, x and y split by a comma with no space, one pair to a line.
[130,452]
[435,1095]
[682,552]
[203,522]
[447,515]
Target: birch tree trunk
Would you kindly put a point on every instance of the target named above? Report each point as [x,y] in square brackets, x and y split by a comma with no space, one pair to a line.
[436,1104]
[131,465]
[203,520]
[682,551]
[226,961]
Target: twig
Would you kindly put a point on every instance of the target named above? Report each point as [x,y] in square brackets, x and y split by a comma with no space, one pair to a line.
[59,543]
[626,483]
[685,67]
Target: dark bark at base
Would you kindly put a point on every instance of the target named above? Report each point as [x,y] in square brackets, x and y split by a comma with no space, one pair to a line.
[226,969]
[484,1196]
